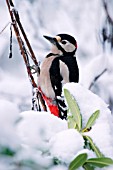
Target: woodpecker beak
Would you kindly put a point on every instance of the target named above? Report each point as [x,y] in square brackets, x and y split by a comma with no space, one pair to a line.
[51,39]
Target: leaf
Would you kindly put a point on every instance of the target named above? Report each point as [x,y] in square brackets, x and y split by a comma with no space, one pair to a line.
[29,163]
[91,120]
[94,147]
[56,161]
[71,122]
[78,161]
[7,151]
[100,162]
[74,109]
[86,166]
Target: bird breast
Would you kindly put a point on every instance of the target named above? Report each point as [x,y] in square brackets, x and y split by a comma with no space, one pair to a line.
[44,81]
[64,72]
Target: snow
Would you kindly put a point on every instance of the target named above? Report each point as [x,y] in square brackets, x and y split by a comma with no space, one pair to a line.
[15,89]
[39,134]
[36,128]
[43,137]
[88,102]
[42,132]
[50,134]
[8,117]
[65,144]
[29,153]
[94,68]
[22,87]
[59,167]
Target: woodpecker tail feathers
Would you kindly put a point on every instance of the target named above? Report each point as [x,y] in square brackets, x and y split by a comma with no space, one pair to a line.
[57,106]
[52,105]
[62,107]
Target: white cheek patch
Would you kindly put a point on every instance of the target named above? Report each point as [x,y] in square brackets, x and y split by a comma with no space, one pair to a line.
[69,47]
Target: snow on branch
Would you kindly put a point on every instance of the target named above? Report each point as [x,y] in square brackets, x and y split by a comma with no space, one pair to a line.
[107,29]
[15,19]
[107,12]
[96,78]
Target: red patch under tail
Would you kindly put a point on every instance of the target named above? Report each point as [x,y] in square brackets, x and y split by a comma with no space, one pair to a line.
[51,104]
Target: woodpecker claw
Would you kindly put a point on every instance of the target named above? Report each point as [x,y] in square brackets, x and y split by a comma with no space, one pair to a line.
[34,69]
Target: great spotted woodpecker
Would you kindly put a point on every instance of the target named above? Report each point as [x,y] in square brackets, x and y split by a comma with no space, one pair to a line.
[59,67]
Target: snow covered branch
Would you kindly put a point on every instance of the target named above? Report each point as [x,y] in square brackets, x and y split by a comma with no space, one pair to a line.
[96,78]
[107,30]
[107,12]
[17,28]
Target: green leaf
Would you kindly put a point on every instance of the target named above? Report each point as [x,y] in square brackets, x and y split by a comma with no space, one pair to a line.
[91,120]
[71,123]
[29,163]
[86,166]
[6,151]
[100,162]
[93,146]
[78,161]
[56,161]
[74,109]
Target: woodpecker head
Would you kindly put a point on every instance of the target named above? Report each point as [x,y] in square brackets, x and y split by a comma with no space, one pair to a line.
[63,44]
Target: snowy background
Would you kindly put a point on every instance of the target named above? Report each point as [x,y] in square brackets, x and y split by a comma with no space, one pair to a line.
[83,20]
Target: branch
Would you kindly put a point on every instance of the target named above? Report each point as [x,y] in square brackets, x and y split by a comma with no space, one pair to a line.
[20,42]
[107,13]
[15,19]
[26,39]
[5,27]
[96,78]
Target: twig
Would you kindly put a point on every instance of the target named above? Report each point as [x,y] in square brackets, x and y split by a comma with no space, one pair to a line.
[26,39]
[5,27]
[96,78]
[20,44]
[42,101]
[107,13]
[16,14]
[14,18]
[10,54]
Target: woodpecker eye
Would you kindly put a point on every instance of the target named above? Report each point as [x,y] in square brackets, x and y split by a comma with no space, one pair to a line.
[63,42]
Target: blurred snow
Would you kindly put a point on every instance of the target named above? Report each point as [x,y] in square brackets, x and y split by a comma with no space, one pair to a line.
[59,167]
[8,117]
[44,133]
[94,68]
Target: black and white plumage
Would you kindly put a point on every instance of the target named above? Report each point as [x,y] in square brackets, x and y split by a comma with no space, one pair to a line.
[59,67]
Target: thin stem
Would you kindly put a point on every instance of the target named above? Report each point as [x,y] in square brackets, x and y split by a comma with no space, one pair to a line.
[96,78]
[15,20]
